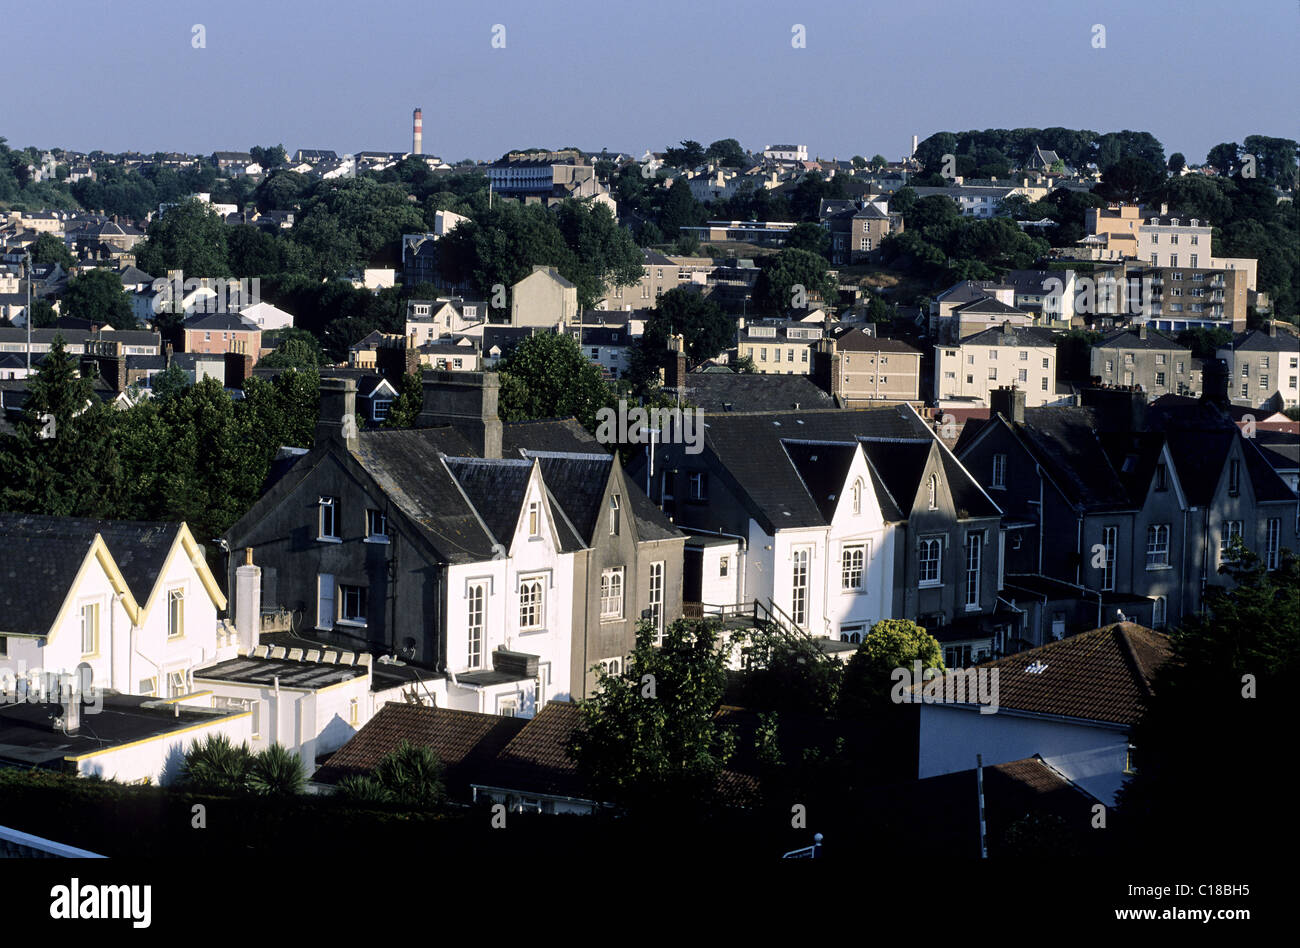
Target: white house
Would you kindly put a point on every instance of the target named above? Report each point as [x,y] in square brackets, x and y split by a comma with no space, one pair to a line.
[521,602]
[135,602]
[1020,356]
[267,317]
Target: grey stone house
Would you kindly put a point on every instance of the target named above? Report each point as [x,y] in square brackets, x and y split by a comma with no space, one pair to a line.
[1148,359]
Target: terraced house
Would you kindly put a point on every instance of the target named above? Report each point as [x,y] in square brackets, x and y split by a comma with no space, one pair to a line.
[1105,519]
[832,520]
[506,560]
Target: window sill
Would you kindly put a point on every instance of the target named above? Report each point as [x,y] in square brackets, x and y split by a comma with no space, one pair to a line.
[536,631]
[929,585]
[606,620]
[383,540]
[1156,569]
[975,607]
[329,539]
[351,623]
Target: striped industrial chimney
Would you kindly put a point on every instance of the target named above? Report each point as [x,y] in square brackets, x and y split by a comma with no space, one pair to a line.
[417,134]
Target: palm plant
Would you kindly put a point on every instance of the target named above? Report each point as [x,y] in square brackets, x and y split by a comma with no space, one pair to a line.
[217,765]
[362,789]
[413,775]
[276,772]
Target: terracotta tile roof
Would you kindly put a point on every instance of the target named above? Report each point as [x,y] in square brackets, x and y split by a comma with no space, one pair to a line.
[465,741]
[537,760]
[1102,675]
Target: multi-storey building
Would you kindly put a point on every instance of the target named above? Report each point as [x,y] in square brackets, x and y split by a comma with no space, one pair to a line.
[1148,359]
[779,346]
[1264,365]
[1024,357]
[856,366]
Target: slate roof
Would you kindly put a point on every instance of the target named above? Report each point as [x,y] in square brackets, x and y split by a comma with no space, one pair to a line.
[855,340]
[822,468]
[465,741]
[407,466]
[749,448]
[746,393]
[578,483]
[1128,339]
[548,434]
[221,322]
[1017,336]
[1064,441]
[44,554]
[496,489]
[1259,341]
[1199,457]
[1102,675]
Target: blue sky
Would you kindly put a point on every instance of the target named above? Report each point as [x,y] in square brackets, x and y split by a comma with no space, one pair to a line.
[637,75]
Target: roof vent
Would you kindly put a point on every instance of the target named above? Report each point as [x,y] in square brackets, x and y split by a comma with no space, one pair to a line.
[1037,668]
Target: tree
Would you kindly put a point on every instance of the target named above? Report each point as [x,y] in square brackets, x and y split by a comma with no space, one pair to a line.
[811,237]
[170,382]
[745,365]
[548,376]
[689,155]
[49,249]
[706,330]
[43,314]
[269,157]
[1223,157]
[61,459]
[294,352]
[680,209]
[413,775]
[879,162]
[405,409]
[789,676]
[604,254]
[783,276]
[727,152]
[649,739]
[859,163]
[1220,696]
[1131,179]
[1177,162]
[868,678]
[190,237]
[99,297]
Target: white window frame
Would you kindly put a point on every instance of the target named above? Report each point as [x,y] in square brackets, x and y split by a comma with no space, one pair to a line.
[612,593]
[90,628]
[1272,543]
[331,504]
[376,518]
[800,569]
[853,567]
[475,623]
[999,471]
[1109,542]
[1158,546]
[974,564]
[362,596]
[532,610]
[927,544]
[176,616]
[656,598]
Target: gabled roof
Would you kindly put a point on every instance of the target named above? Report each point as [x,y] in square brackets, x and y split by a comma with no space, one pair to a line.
[1259,341]
[823,468]
[1127,339]
[536,759]
[406,465]
[221,322]
[749,448]
[715,391]
[1103,675]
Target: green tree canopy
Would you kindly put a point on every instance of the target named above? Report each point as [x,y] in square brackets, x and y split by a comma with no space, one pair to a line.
[98,296]
[190,237]
[548,376]
[649,740]
[783,274]
[49,249]
[890,644]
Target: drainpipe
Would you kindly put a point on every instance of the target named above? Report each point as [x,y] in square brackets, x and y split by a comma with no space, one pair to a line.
[1039,469]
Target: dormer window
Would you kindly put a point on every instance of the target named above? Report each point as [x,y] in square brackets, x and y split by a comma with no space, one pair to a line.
[534,519]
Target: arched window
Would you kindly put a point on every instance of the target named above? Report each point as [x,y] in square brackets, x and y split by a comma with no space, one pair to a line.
[934,491]
[857,496]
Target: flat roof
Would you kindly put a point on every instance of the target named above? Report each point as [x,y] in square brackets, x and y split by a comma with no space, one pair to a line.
[28,737]
[291,674]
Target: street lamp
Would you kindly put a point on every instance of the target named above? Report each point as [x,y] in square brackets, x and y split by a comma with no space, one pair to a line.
[29,313]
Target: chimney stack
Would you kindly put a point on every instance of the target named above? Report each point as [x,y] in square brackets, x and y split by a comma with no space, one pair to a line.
[468,402]
[417,134]
[1142,331]
[248,603]
[1009,402]
[337,421]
